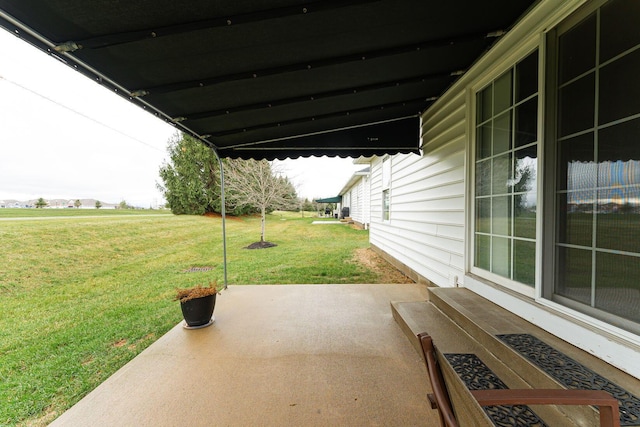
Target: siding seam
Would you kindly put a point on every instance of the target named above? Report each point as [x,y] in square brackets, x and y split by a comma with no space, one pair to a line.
[428,245]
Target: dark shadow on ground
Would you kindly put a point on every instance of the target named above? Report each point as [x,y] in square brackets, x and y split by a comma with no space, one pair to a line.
[261,245]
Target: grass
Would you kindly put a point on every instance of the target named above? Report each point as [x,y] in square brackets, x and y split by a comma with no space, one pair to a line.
[42,213]
[81,296]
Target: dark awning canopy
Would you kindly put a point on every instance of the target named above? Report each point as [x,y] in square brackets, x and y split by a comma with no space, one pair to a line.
[336,199]
[273,79]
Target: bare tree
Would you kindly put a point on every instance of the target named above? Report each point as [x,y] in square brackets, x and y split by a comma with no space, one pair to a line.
[259,184]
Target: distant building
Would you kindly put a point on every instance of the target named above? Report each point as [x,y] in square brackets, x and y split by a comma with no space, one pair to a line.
[356,198]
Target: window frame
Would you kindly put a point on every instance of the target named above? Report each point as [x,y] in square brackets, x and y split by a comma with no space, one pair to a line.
[509,63]
[605,340]
[550,175]
[386,188]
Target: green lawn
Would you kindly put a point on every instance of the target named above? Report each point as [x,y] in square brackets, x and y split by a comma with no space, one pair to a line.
[82,296]
[31,213]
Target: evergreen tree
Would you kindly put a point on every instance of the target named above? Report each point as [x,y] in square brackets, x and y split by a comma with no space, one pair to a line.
[191,178]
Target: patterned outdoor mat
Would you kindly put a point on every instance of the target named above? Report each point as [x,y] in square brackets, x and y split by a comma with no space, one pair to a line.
[477,376]
[572,374]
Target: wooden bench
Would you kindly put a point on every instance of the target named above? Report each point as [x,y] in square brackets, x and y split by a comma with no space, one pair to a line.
[440,400]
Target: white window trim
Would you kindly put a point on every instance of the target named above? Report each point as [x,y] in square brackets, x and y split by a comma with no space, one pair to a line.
[386,220]
[547,295]
[509,61]
[386,186]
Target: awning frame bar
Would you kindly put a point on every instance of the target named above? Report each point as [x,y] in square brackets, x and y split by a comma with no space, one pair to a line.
[223,212]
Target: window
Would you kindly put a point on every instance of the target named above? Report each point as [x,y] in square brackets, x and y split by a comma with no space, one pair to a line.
[386,184]
[385,205]
[506,153]
[594,106]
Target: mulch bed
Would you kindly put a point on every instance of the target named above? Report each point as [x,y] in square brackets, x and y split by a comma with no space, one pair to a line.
[261,245]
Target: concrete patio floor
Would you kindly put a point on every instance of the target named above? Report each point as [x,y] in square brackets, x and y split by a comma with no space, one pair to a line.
[277,355]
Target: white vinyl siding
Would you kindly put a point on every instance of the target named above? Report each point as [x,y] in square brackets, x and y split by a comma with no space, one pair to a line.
[355,210]
[362,206]
[358,196]
[376,191]
[429,211]
[426,229]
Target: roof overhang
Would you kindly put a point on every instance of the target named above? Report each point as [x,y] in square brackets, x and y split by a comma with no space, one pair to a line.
[336,199]
[357,176]
[277,79]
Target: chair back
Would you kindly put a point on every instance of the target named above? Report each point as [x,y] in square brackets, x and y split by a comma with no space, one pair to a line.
[440,393]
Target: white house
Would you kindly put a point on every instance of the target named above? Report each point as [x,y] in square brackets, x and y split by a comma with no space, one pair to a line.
[356,197]
[527,189]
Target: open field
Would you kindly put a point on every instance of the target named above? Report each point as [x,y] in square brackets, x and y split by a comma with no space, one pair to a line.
[82,296]
[49,213]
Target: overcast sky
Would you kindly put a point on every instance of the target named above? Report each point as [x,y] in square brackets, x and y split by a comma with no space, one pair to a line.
[64,136]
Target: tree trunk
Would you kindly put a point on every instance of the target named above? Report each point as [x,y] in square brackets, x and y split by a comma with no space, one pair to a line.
[263,220]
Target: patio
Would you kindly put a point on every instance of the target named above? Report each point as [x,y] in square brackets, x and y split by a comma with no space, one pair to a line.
[276,355]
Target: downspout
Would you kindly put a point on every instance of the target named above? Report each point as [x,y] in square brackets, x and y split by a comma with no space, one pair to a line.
[223,212]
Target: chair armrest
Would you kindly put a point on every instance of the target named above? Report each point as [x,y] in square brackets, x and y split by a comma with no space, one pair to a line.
[608,405]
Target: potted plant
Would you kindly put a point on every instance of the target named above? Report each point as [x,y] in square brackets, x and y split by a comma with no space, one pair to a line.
[197,304]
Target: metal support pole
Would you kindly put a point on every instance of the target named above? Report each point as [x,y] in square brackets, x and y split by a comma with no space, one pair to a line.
[223,212]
